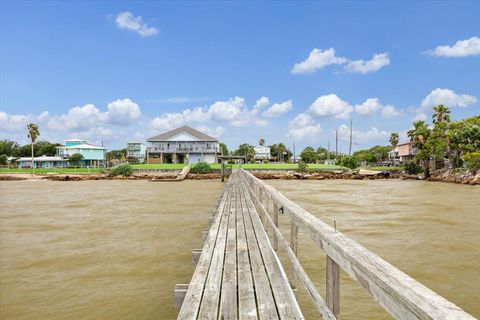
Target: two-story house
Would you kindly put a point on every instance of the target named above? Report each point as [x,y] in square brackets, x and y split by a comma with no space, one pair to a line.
[136,150]
[93,156]
[182,145]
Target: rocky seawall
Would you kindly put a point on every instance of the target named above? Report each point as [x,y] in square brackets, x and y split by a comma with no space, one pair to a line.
[450,176]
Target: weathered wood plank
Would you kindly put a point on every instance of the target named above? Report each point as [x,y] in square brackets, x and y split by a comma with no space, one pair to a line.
[320,304]
[265,302]
[228,299]
[402,296]
[285,300]
[333,286]
[246,292]
[294,246]
[191,303]
[211,294]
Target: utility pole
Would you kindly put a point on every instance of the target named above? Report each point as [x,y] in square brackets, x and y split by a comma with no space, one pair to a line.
[294,155]
[350,146]
[328,150]
[336,144]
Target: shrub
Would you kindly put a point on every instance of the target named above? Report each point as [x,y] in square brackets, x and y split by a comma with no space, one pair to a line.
[473,160]
[125,170]
[201,167]
[349,162]
[302,166]
[413,168]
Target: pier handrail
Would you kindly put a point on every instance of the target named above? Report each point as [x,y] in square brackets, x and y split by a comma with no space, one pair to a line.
[399,294]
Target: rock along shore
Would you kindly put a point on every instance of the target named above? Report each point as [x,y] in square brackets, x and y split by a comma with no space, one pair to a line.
[451,176]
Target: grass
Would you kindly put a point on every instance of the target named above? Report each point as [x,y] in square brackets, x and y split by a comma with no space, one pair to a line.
[385,168]
[250,166]
[52,170]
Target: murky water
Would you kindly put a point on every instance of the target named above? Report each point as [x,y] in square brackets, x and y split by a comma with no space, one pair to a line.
[98,249]
[115,249]
[428,230]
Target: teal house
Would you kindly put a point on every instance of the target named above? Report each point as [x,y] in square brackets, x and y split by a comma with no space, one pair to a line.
[42,162]
[93,156]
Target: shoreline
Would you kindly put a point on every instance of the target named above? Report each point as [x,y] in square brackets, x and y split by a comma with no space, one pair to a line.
[458,177]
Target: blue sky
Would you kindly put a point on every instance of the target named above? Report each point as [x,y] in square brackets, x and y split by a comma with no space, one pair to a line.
[114,72]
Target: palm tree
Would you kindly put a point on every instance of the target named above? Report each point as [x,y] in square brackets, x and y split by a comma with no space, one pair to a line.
[420,136]
[33,133]
[441,114]
[394,139]
[261,142]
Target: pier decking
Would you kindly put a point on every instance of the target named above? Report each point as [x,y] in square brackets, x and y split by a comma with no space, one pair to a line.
[239,275]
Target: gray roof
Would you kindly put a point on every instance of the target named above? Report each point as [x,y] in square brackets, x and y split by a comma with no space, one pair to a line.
[172,133]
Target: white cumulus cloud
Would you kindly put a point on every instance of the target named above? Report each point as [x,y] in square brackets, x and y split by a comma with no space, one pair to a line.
[330,105]
[317,59]
[447,97]
[420,117]
[303,127]
[389,111]
[378,61]
[372,105]
[123,111]
[461,48]
[126,20]
[277,109]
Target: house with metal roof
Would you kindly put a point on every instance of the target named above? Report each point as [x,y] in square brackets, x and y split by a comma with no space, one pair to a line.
[182,145]
[42,162]
[93,156]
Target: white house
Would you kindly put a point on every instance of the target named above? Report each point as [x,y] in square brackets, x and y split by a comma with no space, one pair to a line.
[182,145]
[262,153]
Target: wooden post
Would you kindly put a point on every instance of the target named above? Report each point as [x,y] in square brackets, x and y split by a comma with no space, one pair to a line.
[293,245]
[180,292]
[275,222]
[333,287]
[196,255]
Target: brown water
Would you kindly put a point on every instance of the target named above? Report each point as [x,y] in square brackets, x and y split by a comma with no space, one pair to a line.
[428,230]
[115,249]
[99,249]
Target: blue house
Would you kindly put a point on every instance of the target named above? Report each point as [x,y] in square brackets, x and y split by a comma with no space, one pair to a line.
[93,156]
[42,162]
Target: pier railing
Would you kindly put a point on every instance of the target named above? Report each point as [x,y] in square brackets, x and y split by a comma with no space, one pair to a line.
[399,294]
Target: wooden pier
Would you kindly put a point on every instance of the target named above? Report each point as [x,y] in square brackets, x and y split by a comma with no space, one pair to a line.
[239,275]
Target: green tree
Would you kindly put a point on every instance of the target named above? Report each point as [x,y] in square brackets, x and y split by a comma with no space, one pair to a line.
[441,114]
[246,150]
[75,159]
[322,154]
[394,139]
[309,155]
[3,159]
[120,154]
[280,152]
[45,148]
[463,137]
[420,137]
[473,160]
[33,133]
[349,162]
[9,147]
[223,149]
